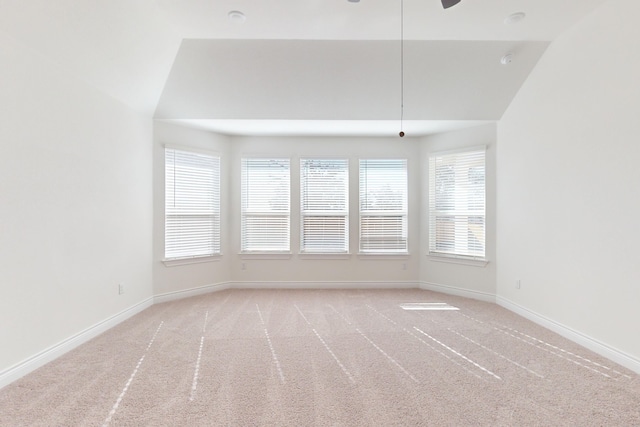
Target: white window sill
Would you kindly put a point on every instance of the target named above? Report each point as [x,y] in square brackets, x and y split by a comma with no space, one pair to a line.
[452,259]
[382,255]
[323,255]
[173,262]
[265,255]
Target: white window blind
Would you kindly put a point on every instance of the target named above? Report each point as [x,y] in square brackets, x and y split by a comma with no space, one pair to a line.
[457,203]
[265,205]
[383,206]
[192,204]
[324,205]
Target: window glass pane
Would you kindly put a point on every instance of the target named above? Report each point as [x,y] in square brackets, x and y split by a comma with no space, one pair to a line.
[383,205]
[192,204]
[265,205]
[324,201]
[325,234]
[457,203]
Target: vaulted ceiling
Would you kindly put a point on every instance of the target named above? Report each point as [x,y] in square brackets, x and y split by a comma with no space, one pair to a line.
[333,67]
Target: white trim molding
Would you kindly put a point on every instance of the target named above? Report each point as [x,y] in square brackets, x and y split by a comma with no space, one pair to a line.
[192,292]
[326,285]
[383,256]
[473,262]
[586,341]
[173,262]
[265,255]
[50,354]
[461,292]
[323,256]
[21,369]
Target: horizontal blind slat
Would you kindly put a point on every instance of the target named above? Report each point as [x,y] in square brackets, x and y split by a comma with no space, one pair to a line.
[383,205]
[265,200]
[324,203]
[457,203]
[192,204]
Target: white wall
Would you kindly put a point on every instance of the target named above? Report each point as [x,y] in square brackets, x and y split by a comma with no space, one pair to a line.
[319,271]
[295,270]
[569,183]
[178,278]
[75,205]
[356,270]
[477,281]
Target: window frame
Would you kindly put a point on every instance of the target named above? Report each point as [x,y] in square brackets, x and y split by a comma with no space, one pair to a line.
[245,211]
[215,241]
[461,179]
[311,213]
[403,213]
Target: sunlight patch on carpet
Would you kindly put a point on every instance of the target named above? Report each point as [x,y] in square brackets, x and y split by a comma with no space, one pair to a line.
[427,306]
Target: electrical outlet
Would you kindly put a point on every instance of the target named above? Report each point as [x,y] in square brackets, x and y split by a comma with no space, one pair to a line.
[120,288]
[518,284]
[243,266]
[404,266]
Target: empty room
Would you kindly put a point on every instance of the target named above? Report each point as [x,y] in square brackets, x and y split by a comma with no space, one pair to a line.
[332,213]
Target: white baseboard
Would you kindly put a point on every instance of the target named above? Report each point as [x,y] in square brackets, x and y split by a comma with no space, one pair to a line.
[192,292]
[13,373]
[461,292]
[325,285]
[48,355]
[34,362]
[592,344]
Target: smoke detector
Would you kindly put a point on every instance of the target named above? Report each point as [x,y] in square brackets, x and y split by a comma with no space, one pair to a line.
[237,16]
[514,18]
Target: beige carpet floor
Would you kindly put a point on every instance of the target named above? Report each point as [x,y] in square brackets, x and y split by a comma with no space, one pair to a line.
[325,358]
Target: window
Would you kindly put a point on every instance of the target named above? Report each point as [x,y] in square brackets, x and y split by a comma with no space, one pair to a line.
[457,203]
[324,205]
[265,205]
[383,206]
[192,204]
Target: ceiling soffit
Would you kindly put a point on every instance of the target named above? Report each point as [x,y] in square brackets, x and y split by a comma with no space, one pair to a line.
[344,80]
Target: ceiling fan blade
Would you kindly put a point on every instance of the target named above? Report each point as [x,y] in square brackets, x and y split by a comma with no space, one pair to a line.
[448,3]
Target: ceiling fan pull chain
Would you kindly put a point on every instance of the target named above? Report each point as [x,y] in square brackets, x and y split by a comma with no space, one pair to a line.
[401,67]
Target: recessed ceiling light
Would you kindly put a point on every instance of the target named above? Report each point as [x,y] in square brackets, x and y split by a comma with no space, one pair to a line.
[506,60]
[353,1]
[237,16]
[514,18]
